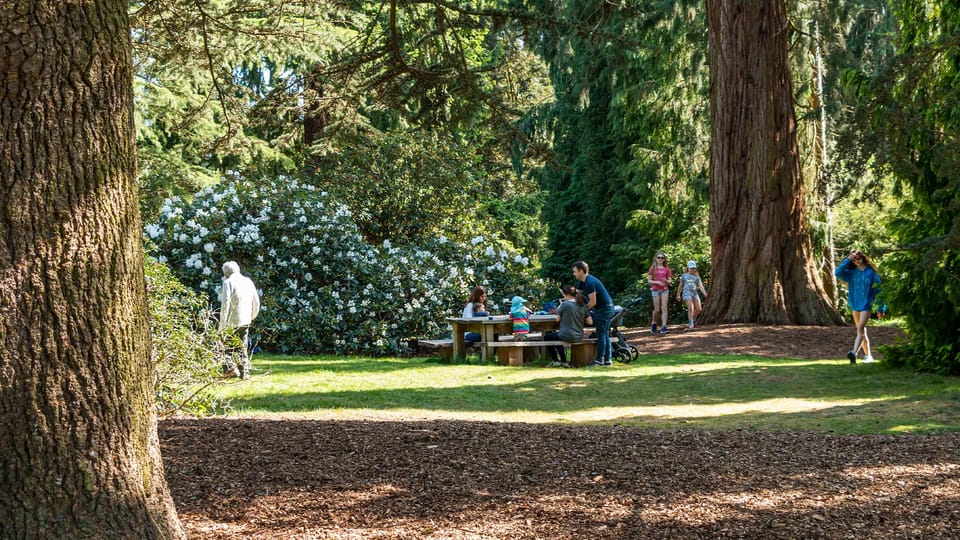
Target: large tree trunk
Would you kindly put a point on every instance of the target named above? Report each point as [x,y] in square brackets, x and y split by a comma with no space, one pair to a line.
[762,262]
[78,434]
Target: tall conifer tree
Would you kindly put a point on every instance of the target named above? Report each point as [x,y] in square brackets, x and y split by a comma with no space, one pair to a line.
[77,422]
[763,264]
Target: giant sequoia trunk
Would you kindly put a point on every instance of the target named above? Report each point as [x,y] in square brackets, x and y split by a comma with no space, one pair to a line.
[78,433]
[763,265]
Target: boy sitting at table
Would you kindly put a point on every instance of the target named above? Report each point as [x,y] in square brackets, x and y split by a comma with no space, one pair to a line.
[520,315]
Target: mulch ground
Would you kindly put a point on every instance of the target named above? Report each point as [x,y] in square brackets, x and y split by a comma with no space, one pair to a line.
[359,479]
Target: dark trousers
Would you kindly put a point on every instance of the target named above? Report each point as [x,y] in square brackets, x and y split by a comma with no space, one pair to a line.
[557,352]
[601,321]
[236,351]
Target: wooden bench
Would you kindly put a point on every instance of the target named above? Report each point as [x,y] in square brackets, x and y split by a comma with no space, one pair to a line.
[513,353]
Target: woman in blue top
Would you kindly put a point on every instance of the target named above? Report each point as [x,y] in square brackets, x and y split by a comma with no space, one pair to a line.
[863,284]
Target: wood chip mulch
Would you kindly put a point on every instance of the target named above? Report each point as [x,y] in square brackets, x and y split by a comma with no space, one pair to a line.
[356,479]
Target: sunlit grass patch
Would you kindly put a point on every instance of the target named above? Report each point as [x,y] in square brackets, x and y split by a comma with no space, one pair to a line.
[703,391]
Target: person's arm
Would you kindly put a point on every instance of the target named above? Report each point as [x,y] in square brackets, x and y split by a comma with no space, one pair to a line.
[702,289]
[843,269]
[226,303]
[592,300]
[255,309]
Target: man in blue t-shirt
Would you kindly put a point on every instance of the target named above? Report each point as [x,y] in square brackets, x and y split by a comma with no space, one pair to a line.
[599,301]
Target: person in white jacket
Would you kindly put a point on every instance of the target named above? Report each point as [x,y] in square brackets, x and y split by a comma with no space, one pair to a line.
[239,306]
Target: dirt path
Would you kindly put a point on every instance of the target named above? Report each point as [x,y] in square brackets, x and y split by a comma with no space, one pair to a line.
[815,342]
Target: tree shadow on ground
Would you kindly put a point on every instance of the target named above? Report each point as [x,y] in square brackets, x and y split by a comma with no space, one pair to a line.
[448,479]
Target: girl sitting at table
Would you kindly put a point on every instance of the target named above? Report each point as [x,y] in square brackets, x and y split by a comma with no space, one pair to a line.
[477,296]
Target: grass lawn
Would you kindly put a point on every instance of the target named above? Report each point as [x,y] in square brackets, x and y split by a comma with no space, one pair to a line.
[696,390]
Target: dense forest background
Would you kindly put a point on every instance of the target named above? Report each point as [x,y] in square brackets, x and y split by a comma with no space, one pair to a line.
[564,130]
[367,163]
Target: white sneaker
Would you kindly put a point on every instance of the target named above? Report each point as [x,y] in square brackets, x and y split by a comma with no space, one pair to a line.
[691,325]
[868,359]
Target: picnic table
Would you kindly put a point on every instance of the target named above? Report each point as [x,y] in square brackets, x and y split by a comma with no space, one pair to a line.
[489,327]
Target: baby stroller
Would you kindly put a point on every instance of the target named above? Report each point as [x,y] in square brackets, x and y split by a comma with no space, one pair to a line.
[622,351]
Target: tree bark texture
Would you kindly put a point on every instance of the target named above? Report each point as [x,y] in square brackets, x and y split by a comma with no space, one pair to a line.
[762,260]
[78,435]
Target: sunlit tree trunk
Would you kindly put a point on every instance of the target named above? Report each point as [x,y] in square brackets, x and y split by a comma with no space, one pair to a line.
[762,261]
[828,262]
[78,435]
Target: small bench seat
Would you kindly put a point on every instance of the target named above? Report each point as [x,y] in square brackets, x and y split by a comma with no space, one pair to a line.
[512,352]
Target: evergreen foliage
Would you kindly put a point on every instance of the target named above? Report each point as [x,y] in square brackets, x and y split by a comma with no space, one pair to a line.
[300,87]
[629,172]
[909,122]
[219,87]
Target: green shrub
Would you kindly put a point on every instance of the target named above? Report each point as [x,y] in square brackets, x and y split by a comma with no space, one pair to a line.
[186,349]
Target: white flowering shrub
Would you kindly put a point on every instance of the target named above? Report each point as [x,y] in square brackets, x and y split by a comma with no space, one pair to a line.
[322,287]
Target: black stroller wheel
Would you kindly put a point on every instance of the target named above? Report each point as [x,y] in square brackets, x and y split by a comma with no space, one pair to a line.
[623,355]
[634,352]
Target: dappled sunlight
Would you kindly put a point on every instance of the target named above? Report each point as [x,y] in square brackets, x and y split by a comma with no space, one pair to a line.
[690,391]
[794,496]
[592,415]
[920,427]
[710,410]
[907,476]
[356,478]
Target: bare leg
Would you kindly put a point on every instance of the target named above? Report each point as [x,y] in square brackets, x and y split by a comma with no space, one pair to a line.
[862,341]
[697,307]
[864,316]
[664,300]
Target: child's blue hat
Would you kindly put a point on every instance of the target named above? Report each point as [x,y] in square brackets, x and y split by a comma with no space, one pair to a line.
[517,302]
